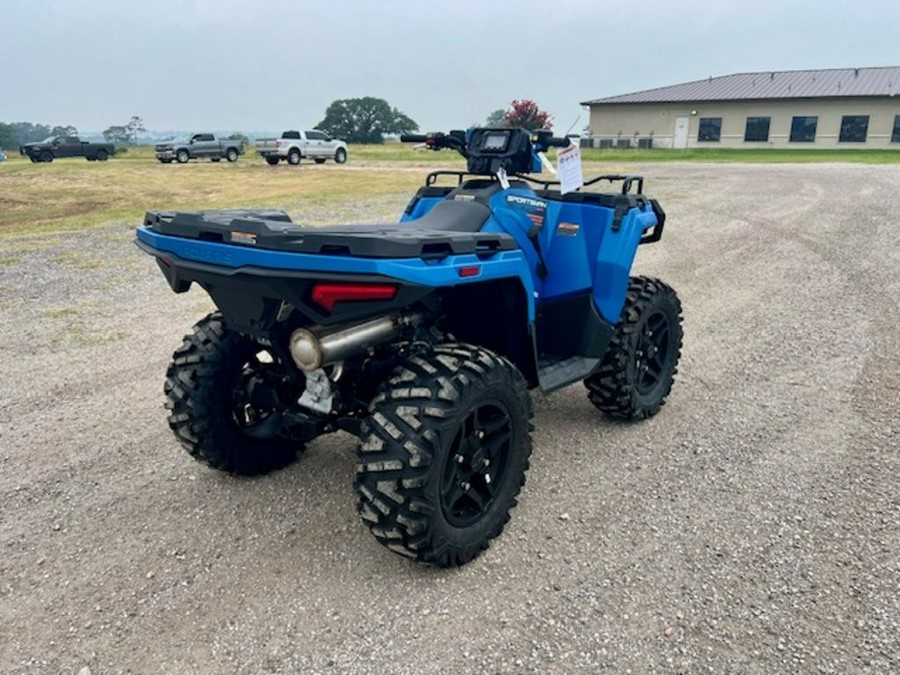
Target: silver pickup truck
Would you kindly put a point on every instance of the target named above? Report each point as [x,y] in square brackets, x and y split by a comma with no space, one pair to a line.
[199,146]
[296,145]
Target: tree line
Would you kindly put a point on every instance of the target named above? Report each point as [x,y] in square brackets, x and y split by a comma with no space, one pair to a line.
[355,120]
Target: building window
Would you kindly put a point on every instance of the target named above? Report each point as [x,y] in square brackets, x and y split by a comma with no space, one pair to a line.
[710,129]
[895,137]
[803,129]
[757,129]
[854,128]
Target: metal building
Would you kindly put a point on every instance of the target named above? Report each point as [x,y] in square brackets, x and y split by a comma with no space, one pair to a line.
[839,108]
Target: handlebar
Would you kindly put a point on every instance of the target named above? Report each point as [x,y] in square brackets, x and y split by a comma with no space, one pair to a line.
[556,142]
[455,140]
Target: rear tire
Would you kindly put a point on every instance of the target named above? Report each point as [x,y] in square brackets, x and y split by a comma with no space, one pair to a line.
[225,401]
[182,156]
[293,157]
[340,156]
[638,369]
[215,159]
[272,161]
[446,454]
[102,155]
[231,155]
[320,160]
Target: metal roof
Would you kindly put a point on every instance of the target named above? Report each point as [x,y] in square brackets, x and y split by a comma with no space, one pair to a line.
[840,82]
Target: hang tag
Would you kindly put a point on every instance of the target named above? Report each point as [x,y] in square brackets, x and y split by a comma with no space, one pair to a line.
[501,176]
[571,177]
[546,163]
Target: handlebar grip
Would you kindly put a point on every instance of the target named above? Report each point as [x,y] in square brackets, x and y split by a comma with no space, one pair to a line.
[556,142]
[413,138]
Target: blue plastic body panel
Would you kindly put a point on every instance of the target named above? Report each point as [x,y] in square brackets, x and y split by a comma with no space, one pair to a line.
[434,273]
[592,252]
[587,252]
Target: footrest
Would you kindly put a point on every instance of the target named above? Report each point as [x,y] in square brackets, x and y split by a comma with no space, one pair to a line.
[557,372]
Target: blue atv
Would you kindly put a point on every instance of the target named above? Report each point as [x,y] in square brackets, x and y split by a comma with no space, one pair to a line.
[423,337]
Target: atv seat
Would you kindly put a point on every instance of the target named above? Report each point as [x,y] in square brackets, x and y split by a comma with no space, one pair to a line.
[450,215]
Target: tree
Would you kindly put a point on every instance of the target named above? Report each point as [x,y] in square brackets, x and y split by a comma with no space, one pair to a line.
[8,136]
[496,118]
[364,120]
[135,126]
[118,135]
[27,132]
[525,113]
[68,130]
[237,136]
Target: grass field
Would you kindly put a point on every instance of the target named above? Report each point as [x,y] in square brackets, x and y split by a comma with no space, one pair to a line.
[72,193]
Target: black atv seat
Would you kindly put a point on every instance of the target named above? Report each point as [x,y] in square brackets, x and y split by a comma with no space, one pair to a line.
[450,215]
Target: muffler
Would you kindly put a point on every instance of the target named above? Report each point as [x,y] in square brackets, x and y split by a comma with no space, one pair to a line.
[313,349]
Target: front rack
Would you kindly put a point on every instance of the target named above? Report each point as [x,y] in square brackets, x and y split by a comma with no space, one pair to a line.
[628,182]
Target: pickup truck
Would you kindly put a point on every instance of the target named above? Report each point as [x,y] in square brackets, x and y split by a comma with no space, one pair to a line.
[67,146]
[296,145]
[199,146]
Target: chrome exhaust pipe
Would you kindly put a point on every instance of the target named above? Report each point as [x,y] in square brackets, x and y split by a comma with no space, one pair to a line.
[312,349]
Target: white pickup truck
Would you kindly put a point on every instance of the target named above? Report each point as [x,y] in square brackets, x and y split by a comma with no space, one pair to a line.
[296,145]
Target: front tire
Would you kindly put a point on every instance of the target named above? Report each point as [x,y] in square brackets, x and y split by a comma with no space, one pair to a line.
[446,454]
[182,156]
[340,156]
[638,369]
[46,156]
[226,395]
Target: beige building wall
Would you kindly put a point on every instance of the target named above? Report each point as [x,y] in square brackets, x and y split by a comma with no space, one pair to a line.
[658,121]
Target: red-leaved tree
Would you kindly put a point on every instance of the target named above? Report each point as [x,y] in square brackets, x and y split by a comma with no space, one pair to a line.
[526,113]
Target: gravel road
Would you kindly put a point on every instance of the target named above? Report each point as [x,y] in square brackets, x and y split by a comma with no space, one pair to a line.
[753,526]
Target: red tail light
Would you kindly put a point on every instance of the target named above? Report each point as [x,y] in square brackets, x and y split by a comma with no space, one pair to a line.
[327,294]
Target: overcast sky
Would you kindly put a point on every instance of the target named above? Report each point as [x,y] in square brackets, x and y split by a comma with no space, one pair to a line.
[275,64]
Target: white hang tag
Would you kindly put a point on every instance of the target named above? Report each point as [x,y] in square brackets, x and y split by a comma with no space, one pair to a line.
[571,177]
[501,176]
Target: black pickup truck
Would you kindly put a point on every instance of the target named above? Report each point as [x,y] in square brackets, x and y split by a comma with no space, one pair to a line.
[67,146]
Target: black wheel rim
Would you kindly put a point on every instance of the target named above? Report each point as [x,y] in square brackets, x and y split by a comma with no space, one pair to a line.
[652,356]
[476,465]
[258,395]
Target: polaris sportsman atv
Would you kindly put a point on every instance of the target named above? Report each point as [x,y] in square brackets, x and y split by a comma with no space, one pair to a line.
[422,337]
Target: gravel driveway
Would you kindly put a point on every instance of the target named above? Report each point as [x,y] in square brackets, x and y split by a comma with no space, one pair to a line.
[753,526]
